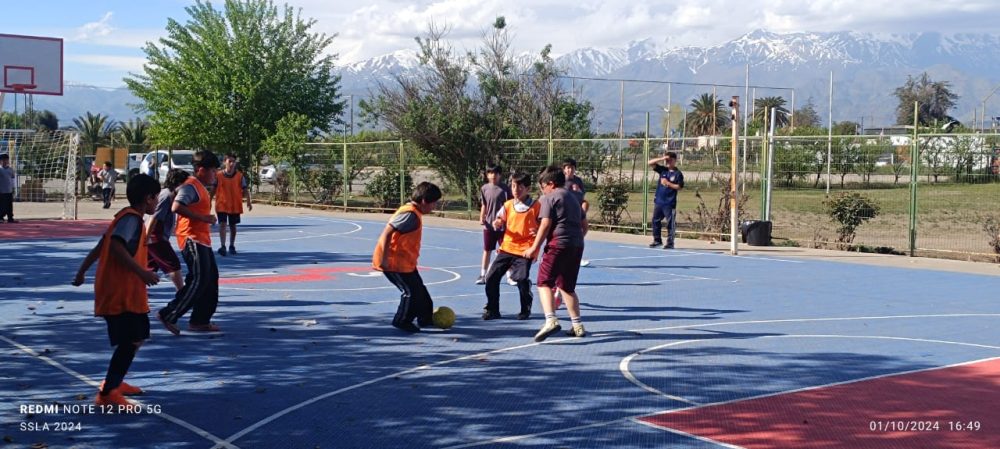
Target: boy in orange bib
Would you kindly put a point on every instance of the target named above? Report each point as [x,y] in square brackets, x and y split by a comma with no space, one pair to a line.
[519,219]
[230,189]
[120,295]
[396,255]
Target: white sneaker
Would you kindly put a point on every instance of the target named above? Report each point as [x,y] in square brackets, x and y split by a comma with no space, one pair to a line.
[584,262]
[480,280]
[511,281]
[577,331]
[550,327]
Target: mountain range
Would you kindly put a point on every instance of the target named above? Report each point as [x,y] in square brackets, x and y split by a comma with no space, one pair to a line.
[866,67]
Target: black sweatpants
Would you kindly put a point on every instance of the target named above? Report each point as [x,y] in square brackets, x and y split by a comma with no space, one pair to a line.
[519,268]
[6,206]
[415,301]
[200,293]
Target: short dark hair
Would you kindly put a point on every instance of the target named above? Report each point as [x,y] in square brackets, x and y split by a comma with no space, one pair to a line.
[671,155]
[140,187]
[108,164]
[493,168]
[175,177]
[4,156]
[521,179]
[205,159]
[552,174]
[229,156]
[569,162]
[426,192]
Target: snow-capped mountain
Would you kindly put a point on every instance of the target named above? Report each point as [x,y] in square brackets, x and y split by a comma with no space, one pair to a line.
[866,68]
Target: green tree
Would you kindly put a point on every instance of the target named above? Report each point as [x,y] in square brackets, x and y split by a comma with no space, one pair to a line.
[46,120]
[768,103]
[223,79]
[807,115]
[95,130]
[134,132]
[934,99]
[460,127]
[707,116]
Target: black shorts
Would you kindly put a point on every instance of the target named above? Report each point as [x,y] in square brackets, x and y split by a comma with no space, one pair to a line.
[161,256]
[232,219]
[127,328]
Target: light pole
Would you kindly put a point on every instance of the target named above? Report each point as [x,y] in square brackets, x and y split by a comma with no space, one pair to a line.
[982,118]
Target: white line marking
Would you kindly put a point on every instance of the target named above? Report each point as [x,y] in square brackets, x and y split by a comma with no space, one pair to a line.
[711,253]
[605,423]
[807,320]
[689,435]
[455,277]
[623,368]
[167,417]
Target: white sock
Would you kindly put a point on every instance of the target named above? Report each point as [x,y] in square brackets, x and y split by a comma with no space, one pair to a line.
[482,272]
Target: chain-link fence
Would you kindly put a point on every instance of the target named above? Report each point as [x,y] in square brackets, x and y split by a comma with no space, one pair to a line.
[940,204]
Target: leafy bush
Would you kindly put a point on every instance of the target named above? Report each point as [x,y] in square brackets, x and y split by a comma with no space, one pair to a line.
[992,229]
[612,198]
[850,210]
[384,187]
[323,182]
[715,221]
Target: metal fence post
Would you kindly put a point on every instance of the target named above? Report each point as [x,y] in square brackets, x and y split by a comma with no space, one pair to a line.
[914,171]
[402,175]
[645,178]
[551,156]
[346,169]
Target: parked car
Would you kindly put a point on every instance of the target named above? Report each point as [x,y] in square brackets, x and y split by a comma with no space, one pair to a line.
[269,173]
[182,159]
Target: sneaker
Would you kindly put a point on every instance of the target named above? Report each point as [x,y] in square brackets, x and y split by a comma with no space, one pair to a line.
[655,244]
[170,326]
[203,327]
[114,398]
[487,315]
[12,221]
[511,281]
[125,389]
[584,262]
[550,327]
[577,331]
[429,322]
[232,250]
[222,251]
[670,246]
[407,327]
[480,280]
[523,316]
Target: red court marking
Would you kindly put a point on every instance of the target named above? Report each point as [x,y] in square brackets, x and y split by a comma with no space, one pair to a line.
[52,229]
[841,416]
[302,275]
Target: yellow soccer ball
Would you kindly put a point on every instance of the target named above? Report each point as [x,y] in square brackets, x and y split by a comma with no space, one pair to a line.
[444,317]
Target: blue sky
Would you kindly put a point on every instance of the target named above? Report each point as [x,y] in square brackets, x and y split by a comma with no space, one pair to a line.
[103,38]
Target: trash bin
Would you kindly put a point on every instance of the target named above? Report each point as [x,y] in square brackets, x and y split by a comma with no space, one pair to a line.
[756,232]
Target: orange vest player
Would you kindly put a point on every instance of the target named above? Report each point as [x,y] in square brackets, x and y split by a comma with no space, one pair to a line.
[519,219]
[200,292]
[230,189]
[396,255]
[120,295]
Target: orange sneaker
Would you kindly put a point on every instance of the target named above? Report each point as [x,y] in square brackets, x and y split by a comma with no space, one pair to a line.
[125,389]
[114,398]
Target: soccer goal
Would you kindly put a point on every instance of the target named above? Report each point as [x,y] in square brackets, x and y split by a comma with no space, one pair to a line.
[46,167]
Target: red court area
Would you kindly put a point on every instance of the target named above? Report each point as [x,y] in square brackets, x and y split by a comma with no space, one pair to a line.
[947,408]
[48,229]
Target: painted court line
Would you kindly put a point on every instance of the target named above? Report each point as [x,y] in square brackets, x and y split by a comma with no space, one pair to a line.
[685,434]
[454,277]
[165,416]
[512,438]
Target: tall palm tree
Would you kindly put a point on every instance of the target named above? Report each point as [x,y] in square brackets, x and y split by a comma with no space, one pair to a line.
[134,132]
[95,129]
[781,119]
[707,116]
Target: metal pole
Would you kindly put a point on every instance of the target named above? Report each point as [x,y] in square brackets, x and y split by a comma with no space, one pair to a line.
[765,150]
[645,179]
[347,170]
[791,118]
[733,206]
[666,132]
[914,169]
[551,147]
[829,137]
[621,111]
[402,174]
[770,165]
[746,140]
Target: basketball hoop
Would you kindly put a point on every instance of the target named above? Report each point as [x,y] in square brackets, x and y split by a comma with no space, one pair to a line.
[20,88]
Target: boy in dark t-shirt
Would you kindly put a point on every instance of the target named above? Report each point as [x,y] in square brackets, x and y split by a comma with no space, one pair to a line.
[492,196]
[561,229]
[670,181]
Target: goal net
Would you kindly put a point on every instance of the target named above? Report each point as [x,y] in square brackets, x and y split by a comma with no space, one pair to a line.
[46,168]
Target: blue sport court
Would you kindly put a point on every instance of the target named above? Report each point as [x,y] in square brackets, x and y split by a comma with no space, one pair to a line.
[687,349]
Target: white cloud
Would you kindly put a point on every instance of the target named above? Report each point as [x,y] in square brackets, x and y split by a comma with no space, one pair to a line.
[92,30]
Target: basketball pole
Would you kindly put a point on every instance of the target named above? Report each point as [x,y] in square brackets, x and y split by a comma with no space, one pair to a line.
[734,105]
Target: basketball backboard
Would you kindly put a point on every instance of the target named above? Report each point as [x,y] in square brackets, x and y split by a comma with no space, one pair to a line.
[31,64]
